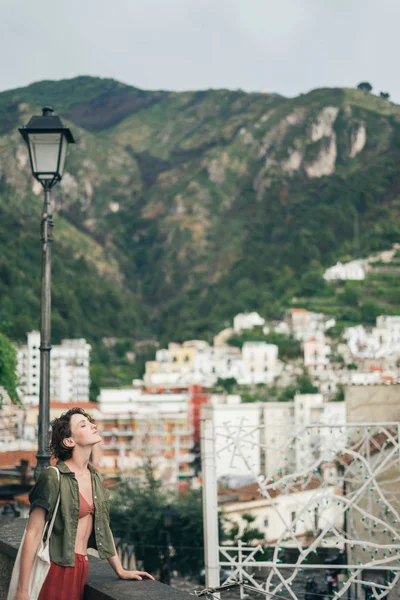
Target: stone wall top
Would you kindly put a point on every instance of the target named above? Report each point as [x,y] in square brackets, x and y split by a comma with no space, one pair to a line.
[102,582]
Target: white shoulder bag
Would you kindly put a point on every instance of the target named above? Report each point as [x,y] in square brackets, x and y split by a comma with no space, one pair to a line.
[41,562]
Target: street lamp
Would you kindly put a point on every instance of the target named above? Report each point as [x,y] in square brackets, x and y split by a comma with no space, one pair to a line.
[47,140]
[168,514]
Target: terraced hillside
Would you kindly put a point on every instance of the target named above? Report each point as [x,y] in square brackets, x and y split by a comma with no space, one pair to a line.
[180,209]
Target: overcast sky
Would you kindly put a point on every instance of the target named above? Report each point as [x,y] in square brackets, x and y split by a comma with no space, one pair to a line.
[285,46]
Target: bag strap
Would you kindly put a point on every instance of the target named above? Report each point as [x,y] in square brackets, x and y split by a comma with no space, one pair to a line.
[50,528]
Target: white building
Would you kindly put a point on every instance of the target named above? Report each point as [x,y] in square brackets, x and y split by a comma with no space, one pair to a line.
[382,341]
[282,327]
[278,452]
[244,321]
[265,445]
[295,512]
[69,370]
[354,270]
[304,324]
[316,353]
[274,435]
[227,417]
[195,362]
[316,443]
[260,363]
[387,331]
[12,423]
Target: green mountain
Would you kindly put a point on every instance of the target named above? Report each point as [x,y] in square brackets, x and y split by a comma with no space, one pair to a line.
[179,210]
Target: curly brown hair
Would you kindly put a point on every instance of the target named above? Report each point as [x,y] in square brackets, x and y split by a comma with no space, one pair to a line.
[61,429]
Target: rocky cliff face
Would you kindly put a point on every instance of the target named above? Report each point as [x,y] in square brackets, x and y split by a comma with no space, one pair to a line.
[198,204]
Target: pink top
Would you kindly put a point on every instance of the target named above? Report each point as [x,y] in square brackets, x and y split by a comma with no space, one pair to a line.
[84,507]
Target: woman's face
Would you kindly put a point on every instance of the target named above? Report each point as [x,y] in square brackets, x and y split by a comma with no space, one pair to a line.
[83,432]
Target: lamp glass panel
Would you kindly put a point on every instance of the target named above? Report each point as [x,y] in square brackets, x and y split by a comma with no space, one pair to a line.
[44,149]
[63,154]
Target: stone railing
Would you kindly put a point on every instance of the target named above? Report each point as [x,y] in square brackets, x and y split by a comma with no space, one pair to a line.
[102,582]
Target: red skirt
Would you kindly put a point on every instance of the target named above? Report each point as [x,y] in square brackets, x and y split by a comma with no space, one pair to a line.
[66,583]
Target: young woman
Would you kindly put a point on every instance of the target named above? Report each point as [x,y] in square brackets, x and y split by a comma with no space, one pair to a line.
[82,518]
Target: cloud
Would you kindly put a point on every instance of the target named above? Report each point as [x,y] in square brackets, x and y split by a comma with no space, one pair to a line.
[289,46]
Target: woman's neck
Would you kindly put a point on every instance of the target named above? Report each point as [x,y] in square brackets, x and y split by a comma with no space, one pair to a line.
[78,463]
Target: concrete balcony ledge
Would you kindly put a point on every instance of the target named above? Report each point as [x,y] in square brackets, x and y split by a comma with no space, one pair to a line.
[102,582]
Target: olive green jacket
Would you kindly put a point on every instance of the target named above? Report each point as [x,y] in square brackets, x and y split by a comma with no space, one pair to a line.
[62,541]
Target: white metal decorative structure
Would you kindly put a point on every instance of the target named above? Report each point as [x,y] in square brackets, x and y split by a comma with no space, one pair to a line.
[363,465]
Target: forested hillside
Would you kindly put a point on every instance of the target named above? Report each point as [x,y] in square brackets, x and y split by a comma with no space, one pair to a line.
[178,210]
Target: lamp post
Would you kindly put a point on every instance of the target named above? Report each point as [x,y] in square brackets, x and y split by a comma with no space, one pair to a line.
[47,140]
[167,516]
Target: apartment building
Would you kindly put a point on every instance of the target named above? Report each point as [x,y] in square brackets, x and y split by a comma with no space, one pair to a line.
[137,426]
[69,370]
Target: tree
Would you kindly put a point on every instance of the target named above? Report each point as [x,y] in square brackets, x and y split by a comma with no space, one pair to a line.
[339,396]
[287,394]
[305,385]
[365,86]
[369,311]
[384,95]
[8,367]
[226,384]
[136,518]
[352,367]
[135,515]
[187,533]
[247,534]
[312,283]
[351,295]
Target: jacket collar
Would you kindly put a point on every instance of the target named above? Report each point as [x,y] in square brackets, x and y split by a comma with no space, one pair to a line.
[63,468]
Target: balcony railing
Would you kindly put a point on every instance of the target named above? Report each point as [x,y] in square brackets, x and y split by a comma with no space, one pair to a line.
[102,582]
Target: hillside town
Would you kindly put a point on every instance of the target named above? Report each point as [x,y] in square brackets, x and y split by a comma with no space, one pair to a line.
[299,407]
[159,416]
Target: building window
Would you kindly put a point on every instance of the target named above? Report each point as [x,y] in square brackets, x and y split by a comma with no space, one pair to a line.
[266,523]
[316,518]
[293,519]
[187,358]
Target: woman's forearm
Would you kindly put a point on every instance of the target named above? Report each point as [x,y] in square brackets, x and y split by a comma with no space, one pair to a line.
[33,537]
[115,562]
[29,549]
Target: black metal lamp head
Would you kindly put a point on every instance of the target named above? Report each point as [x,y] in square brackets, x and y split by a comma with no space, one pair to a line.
[47,140]
[168,514]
